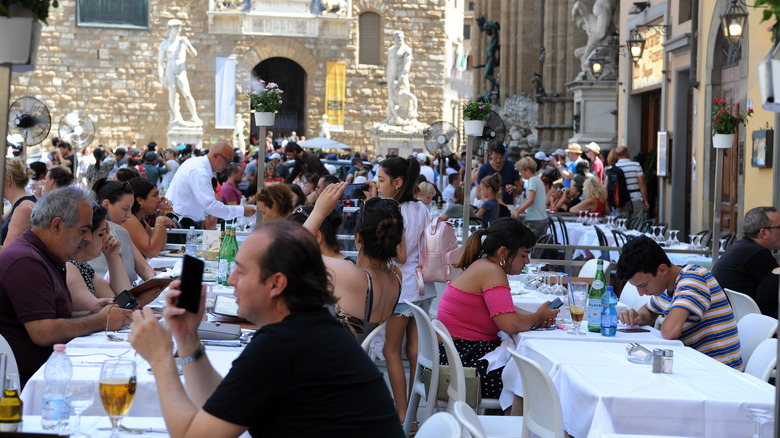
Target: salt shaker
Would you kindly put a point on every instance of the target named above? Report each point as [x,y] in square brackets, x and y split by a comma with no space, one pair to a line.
[668,360]
[658,357]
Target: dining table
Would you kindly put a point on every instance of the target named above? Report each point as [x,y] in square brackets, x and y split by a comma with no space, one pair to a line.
[601,392]
[99,426]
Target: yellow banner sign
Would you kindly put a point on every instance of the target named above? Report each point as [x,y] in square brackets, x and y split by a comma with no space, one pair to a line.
[649,70]
[335,95]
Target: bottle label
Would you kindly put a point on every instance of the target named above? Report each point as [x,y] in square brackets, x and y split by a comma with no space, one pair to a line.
[594,314]
[598,284]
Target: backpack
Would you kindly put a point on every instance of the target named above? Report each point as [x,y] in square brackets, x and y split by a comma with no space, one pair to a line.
[617,190]
[439,251]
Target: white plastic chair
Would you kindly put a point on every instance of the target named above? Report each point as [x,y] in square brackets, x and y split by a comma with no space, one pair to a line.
[589,268]
[427,357]
[440,425]
[631,298]
[456,391]
[763,360]
[754,328]
[487,426]
[469,420]
[366,344]
[542,414]
[11,366]
[741,304]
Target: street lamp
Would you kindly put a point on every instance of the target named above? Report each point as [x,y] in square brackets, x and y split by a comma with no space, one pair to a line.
[636,45]
[733,22]
[597,65]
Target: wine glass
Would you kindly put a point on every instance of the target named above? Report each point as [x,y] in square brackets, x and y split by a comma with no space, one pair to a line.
[722,245]
[693,241]
[578,302]
[562,293]
[81,394]
[760,417]
[117,390]
[673,237]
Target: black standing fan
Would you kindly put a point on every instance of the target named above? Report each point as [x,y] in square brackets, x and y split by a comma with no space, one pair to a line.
[29,119]
[493,134]
[77,129]
[438,141]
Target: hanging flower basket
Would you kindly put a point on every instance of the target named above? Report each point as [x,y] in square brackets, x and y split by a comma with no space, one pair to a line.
[474,127]
[723,141]
[264,118]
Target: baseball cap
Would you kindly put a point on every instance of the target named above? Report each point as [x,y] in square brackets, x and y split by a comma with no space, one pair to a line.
[560,152]
[541,156]
[421,157]
[275,156]
[360,179]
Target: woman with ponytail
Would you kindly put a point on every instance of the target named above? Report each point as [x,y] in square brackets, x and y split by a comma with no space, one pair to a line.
[477,304]
[396,179]
[368,289]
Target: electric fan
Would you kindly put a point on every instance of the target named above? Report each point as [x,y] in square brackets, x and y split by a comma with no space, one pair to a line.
[77,128]
[28,121]
[438,138]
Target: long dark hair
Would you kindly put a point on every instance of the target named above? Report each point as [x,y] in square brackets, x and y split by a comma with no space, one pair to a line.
[112,190]
[407,169]
[381,226]
[98,154]
[141,189]
[506,231]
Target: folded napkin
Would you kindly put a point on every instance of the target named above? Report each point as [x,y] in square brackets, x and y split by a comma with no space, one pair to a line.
[499,357]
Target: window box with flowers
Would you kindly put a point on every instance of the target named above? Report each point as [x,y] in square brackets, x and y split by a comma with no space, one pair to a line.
[725,123]
[21,22]
[475,114]
[265,102]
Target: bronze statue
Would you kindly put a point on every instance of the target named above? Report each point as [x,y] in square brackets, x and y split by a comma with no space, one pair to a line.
[492,54]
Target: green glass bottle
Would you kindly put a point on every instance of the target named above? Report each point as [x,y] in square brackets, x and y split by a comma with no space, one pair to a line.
[597,289]
[222,258]
[231,253]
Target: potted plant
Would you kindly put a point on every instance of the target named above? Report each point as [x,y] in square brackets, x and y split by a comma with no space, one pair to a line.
[20,22]
[475,114]
[265,102]
[725,123]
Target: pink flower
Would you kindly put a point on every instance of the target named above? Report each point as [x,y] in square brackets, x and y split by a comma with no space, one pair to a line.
[722,101]
[482,107]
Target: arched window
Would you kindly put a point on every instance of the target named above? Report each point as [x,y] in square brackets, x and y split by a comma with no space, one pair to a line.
[370,31]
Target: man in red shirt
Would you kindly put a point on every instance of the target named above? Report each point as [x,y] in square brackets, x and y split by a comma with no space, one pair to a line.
[230,194]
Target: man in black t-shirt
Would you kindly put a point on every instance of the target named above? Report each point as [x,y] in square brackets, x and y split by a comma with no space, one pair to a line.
[302,375]
[746,263]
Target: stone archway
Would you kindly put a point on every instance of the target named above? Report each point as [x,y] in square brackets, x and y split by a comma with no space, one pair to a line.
[291,78]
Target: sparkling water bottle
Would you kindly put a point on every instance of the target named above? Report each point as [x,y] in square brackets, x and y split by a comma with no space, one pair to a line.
[191,247]
[55,410]
[609,317]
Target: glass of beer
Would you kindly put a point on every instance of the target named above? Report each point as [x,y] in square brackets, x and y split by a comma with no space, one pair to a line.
[578,302]
[117,389]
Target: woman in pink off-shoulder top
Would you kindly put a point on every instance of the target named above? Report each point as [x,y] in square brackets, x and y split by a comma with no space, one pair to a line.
[477,304]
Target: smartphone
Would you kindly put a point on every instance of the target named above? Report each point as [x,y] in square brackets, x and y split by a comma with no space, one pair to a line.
[126,300]
[633,330]
[355,191]
[191,280]
[556,303]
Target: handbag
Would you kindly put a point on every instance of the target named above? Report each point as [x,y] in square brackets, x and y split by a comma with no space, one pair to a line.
[473,387]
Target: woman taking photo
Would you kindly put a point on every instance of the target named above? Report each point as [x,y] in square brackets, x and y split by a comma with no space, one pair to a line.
[477,304]
[17,175]
[367,290]
[147,200]
[118,198]
[326,233]
[396,179]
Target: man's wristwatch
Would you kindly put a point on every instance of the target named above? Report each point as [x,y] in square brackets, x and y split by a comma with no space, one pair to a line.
[200,352]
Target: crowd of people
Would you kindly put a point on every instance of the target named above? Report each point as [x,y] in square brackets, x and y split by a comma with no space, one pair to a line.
[71,242]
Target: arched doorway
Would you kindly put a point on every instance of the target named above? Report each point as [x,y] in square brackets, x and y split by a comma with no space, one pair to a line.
[291,78]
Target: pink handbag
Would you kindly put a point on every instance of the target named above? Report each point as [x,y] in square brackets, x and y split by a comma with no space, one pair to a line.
[439,251]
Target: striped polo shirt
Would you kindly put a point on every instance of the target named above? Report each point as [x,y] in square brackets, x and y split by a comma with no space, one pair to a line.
[632,170]
[715,333]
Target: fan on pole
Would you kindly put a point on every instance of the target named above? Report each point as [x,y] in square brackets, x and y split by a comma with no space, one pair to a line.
[28,122]
[438,137]
[494,134]
[77,128]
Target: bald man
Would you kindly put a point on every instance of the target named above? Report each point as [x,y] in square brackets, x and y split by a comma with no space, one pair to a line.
[192,193]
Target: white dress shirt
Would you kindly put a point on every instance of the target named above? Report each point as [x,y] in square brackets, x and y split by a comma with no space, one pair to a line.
[192,194]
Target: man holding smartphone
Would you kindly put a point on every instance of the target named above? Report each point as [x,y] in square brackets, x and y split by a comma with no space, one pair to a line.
[284,383]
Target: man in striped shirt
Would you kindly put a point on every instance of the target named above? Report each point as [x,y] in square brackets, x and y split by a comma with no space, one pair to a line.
[635,183]
[696,309]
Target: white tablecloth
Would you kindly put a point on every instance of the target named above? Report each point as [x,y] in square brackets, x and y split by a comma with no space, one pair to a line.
[92,425]
[602,392]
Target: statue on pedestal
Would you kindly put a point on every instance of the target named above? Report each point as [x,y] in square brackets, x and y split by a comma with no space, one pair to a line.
[239,139]
[401,103]
[492,55]
[598,24]
[174,74]
[325,127]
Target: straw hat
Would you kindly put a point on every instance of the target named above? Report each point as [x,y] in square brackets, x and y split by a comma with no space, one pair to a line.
[575,147]
[593,146]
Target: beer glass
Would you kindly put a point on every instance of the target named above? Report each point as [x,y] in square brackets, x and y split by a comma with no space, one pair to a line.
[117,389]
[578,302]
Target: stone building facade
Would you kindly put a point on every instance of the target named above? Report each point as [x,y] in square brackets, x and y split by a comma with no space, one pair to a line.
[111,72]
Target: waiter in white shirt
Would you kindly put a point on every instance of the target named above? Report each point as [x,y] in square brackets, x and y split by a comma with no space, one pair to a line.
[192,193]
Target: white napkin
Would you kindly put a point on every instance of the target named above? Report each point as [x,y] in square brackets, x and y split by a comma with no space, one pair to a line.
[499,357]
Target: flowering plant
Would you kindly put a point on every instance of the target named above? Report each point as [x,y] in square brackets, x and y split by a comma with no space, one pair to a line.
[38,7]
[476,110]
[724,121]
[267,100]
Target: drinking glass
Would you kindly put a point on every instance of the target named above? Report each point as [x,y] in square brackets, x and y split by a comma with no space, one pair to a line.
[562,293]
[594,218]
[117,390]
[760,417]
[578,302]
[81,394]
[692,244]
[722,245]
[673,237]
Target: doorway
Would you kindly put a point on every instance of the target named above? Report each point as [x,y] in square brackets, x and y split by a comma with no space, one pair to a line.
[291,78]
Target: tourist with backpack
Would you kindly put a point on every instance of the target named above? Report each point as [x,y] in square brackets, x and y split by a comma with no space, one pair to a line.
[632,182]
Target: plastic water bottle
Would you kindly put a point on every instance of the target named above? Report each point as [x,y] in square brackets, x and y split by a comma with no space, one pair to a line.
[191,247]
[609,313]
[55,410]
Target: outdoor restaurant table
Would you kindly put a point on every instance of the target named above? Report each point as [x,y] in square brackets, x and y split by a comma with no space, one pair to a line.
[530,299]
[96,425]
[601,392]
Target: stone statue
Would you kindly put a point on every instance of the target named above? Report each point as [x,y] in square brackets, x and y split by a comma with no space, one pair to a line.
[538,85]
[520,114]
[335,7]
[492,55]
[239,140]
[598,24]
[325,127]
[401,103]
[174,75]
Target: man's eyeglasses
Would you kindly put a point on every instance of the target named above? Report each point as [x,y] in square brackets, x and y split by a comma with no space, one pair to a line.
[227,161]
[769,228]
